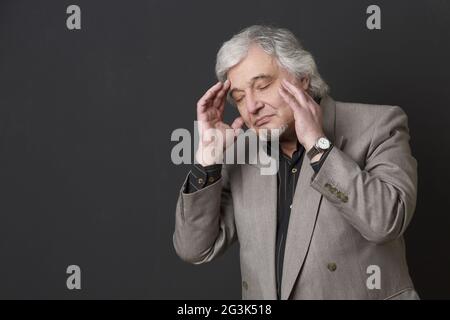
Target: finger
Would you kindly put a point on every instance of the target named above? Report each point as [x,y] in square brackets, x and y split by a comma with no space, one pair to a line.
[290,100]
[315,108]
[307,95]
[203,102]
[237,123]
[295,91]
[302,95]
[221,106]
[313,105]
[220,95]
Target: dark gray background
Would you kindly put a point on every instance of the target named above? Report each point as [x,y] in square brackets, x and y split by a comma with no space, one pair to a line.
[86,117]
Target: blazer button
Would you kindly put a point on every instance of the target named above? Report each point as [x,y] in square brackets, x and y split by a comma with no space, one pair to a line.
[245,285]
[332,266]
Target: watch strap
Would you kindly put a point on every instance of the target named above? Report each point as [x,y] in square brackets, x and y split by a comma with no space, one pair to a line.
[313,152]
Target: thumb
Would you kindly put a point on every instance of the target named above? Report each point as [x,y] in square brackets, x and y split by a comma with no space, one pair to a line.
[237,124]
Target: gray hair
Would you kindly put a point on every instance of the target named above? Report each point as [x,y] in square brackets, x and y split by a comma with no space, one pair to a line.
[278,42]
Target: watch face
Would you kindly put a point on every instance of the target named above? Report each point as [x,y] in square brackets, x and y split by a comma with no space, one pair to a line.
[323,143]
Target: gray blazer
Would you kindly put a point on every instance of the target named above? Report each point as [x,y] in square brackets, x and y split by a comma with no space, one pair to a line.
[349,216]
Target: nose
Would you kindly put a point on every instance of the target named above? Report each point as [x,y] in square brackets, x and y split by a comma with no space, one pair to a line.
[253,104]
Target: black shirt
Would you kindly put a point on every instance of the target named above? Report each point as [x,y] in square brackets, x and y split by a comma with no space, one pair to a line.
[287,177]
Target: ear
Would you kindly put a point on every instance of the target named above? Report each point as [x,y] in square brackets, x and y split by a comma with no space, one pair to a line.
[305,83]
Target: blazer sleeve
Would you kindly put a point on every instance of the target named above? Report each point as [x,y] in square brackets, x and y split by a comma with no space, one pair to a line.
[204,221]
[379,199]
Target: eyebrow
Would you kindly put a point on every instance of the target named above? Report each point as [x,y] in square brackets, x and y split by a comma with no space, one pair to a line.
[252,81]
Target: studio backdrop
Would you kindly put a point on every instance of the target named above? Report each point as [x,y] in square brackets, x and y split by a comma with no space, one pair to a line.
[91,92]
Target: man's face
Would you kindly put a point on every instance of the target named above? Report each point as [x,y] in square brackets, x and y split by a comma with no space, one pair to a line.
[254,88]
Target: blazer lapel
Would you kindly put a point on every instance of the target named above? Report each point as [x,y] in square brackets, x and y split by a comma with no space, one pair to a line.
[305,209]
[303,215]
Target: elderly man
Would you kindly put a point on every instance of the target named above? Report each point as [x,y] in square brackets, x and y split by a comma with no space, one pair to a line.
[329,224]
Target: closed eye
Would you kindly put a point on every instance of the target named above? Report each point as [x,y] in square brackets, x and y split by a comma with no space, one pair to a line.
[264,87]
[258,88]
[238,99]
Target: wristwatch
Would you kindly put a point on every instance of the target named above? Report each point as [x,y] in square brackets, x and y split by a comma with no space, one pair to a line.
[322,145]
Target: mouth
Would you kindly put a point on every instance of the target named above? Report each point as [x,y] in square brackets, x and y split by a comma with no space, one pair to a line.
[263,120]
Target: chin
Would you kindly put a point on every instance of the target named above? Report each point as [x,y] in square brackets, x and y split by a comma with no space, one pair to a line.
[271,132]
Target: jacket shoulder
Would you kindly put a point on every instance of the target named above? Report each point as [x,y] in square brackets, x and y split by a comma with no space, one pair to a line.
[353,118]
[365,110]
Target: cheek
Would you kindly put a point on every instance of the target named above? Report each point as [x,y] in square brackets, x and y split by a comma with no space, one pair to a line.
[274,99]
[285,113]
[281,106]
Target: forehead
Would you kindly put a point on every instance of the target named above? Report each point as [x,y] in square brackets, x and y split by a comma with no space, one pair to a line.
[256,62]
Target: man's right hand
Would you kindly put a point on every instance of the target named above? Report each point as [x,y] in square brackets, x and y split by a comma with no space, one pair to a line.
[210,109]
